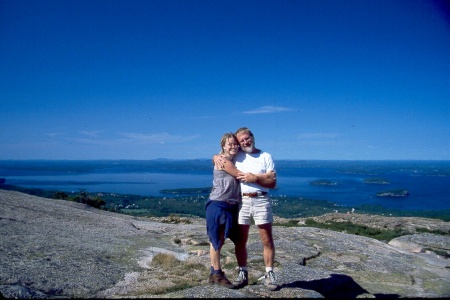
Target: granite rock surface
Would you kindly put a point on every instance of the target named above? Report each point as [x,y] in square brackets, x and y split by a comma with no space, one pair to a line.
[60,249]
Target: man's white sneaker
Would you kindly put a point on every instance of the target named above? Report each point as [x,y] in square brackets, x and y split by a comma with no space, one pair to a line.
[241,280]
[271,281]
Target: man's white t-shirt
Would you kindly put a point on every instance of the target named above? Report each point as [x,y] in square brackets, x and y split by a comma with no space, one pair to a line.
[256,163]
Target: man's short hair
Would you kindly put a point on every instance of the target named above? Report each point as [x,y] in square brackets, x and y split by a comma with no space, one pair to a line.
[244,130]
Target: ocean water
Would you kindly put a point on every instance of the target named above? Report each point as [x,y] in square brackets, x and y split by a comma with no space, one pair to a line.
[428,182]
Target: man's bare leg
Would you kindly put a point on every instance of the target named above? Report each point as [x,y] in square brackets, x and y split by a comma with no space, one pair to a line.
[265,233]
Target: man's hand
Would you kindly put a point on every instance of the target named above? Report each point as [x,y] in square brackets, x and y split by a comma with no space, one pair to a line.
[268,179]
[219,161]
[247,177]
[270,175]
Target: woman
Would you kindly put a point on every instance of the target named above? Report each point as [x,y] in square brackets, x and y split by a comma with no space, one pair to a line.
[222,208]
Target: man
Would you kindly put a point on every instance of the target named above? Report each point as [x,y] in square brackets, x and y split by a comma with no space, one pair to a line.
[255,204]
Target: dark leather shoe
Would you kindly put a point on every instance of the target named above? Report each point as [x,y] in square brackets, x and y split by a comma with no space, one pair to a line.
[220,279]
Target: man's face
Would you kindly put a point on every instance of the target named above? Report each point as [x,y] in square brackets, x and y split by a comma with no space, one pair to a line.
[246,142]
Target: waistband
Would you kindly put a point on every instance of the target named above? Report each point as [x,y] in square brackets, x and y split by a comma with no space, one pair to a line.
[227,201]
[231,202]
[254,194]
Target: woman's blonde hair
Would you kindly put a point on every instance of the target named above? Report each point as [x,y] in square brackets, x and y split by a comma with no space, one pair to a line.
[225,138]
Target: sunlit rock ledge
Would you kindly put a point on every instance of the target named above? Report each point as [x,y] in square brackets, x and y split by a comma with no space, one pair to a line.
[62,249]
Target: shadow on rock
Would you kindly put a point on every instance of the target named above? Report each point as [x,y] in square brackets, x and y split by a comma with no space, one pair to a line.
[336,286]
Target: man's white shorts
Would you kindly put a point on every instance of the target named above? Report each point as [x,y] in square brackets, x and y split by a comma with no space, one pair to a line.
[259,208]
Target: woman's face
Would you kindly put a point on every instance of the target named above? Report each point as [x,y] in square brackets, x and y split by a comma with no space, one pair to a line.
[231,147]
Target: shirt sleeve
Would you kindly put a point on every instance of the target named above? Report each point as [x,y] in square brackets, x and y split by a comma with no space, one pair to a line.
[270,165]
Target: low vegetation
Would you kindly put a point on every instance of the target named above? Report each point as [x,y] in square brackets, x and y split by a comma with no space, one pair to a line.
[172,219]
[362,230]
[436,231]
[176,274]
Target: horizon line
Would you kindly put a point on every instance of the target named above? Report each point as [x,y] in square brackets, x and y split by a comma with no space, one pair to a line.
[178,159]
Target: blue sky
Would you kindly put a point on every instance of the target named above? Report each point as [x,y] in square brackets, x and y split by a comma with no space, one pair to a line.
[313,79]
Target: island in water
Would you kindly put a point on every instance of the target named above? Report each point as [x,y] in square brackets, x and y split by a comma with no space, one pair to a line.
[393,193]
[322,182]
[376,181]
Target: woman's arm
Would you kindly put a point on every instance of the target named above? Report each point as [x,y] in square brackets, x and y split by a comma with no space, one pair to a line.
[229,167]
[267,180]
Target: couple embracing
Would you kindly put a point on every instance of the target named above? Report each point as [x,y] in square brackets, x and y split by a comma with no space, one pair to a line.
[243,176]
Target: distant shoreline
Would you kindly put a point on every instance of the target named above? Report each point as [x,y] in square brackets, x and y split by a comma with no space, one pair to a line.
[193,204]
[209,159]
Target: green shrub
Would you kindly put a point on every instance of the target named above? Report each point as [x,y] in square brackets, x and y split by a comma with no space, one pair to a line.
[362,230]
[435,231]
[60,195]
[85,198]
[290,223]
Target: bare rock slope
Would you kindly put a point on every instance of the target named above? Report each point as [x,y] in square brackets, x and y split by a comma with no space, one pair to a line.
[60,249]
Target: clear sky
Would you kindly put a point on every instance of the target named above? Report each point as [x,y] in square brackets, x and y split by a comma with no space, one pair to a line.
[313,79]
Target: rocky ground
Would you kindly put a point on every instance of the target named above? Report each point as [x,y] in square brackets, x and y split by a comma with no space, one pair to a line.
[61,249]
